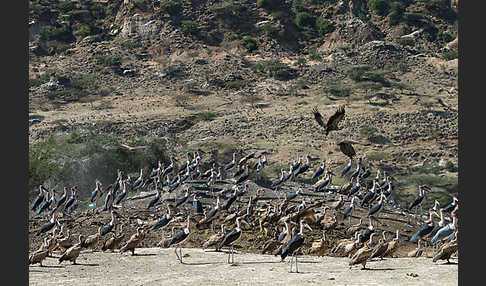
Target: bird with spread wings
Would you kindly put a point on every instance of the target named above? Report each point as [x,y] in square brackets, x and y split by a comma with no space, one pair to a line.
[332,122]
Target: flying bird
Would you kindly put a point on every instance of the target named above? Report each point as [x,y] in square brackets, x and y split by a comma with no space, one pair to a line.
[332,122]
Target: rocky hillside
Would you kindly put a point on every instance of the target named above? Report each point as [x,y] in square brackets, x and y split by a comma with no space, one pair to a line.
[229,75]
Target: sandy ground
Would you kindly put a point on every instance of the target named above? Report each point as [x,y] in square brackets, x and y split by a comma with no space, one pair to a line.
[159,266]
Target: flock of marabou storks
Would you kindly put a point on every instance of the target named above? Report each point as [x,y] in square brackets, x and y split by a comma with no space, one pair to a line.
[375,194]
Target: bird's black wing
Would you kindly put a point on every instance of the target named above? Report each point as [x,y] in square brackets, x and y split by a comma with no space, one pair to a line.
[333,121]
[318,117]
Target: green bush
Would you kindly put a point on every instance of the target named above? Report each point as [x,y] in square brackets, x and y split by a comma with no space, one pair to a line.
[82,31]
[61,34]
[413,19]
[270,29]
[66,6]
[207,116]
[440,9]
[298,6]
[130,44]
[396,13]
[305,20]
[189,27]
[109,61]
[249,43]
[172,7]
[406,41]
[236,84]
[323,26]
[268,4]
[380,7]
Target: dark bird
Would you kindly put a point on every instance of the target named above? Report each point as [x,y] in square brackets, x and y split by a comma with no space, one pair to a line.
[355,188]
[169,168]
[108,200]
[230,238]
[450,207]
[367,173]
[231,164]
[38,199]
[292,246]
[358,169]
[164,220]
[138,182]
[332,122]
[243,177]
[180,237]
[369,195]
[347,167]
[181,200]
[347,148]
[109,226]
[319,171]
[156,172]
[46,203]
[349,210]
[155,199]
[49,225]
[197,205]
[96,191]
[70,201]
[303,167]
[376,208]
[215,239]
[121,195]
[114,241]
[366,233]
[419,199]
[230,200]
[279,180]
[425,229]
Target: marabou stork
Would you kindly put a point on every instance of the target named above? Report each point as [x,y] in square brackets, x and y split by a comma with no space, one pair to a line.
[121,195]
[303,167]
[38,199]
[230,238]
[292,246]
[70,201]
[347,167]
[450,207]
[230,200]
[109,226]
[180,237]
[243,177]
[163,221]
[181,200]
[349,210]
[231,164]
[49,225]
[319,171]
[138,182]
[425,229]
[62,199]
[96,191]
[369,195]
[155,199]
[375,209]
[197,205]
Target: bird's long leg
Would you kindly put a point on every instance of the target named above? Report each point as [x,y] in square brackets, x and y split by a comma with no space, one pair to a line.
[175,250]
[229,254]
[291,261]
[296,267]
[180,252]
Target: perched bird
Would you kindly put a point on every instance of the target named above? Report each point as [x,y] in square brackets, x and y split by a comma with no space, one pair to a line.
[181,200]
[96,191]
[197,205]
[332,122]
[230,238]
[109,226]
[62,199]
[231,164]
[392,246]
[243,177]
[39,255]
[347,167]
[155,199]
[319,171]
[72,253]
[362,255]
[114,241]
[163,221]
[180,237]
[349,210]
[447,250]
[230,200]
[134,241]
[448,208]
[292,246]
[346,147]
[121,195]
[38,199]
[92,240]
[49,225]
[138,182]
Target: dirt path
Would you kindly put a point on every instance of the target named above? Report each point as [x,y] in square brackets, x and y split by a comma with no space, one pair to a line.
[157,266]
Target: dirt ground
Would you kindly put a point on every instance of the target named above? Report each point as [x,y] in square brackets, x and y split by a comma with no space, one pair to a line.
[159,266]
